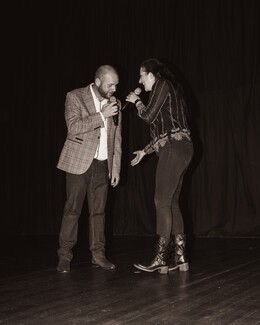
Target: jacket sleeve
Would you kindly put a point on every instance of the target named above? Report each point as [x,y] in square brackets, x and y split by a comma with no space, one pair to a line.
[156,100]
[117,145]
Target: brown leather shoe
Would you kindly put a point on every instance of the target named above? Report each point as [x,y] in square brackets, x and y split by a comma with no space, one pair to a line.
[102,262]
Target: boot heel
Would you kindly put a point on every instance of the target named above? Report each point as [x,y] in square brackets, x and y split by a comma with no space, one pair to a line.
[184,267]
[163,270]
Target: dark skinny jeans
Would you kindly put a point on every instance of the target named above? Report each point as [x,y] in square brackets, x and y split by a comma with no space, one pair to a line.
[174,159]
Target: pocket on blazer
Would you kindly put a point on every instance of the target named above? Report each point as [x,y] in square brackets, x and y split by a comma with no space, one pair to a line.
[76,140]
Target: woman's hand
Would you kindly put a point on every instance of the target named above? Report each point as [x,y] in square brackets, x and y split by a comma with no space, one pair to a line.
[139,156]
[132,97]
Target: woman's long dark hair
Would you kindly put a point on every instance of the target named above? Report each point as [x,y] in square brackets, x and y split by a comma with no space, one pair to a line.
[161,71]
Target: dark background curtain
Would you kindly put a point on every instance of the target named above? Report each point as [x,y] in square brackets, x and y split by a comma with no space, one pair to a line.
[52,47]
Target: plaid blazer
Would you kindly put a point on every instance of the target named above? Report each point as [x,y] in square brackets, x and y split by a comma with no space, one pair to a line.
[83,124]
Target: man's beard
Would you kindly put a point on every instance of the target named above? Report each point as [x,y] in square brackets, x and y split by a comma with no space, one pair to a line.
[104,94]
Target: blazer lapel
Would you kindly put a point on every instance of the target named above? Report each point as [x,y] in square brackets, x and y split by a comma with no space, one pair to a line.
[88,99]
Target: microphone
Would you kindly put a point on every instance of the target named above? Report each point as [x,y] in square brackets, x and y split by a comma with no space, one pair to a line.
[137,91]
[112,99]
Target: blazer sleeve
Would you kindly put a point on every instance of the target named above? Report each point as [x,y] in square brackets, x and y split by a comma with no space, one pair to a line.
[117,146]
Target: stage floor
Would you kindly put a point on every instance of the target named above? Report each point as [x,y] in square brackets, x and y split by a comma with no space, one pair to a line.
[222,286]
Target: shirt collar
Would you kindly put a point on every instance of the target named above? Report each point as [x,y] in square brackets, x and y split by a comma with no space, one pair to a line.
[96,95]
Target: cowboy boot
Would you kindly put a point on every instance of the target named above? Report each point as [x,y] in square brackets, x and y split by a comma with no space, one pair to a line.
[177,256]
[159,262]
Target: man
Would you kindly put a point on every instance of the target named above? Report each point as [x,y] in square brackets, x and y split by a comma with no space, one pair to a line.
[90,157]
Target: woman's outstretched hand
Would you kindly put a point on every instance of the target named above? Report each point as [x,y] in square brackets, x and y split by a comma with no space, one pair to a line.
[139,156]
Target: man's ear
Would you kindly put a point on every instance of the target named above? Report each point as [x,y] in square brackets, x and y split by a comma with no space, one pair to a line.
[97,82]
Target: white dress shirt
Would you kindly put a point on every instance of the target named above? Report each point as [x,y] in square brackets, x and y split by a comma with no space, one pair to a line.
[101,153]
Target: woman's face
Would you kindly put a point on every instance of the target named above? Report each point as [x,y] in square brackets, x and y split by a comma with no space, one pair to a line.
[146,79]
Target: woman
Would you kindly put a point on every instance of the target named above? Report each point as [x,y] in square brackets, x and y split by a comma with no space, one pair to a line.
[170,140]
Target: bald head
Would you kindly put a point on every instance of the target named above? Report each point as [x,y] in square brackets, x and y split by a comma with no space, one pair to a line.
[106,80]
[104,70]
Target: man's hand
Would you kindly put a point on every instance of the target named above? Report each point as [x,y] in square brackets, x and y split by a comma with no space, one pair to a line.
[115,179]
[110,109]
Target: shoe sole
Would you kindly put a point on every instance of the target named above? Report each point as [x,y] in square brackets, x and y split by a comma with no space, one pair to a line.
[182,267]
[102,267]
[161,269]
[63,271]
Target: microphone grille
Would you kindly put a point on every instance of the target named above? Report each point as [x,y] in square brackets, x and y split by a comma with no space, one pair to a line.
[137,91]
